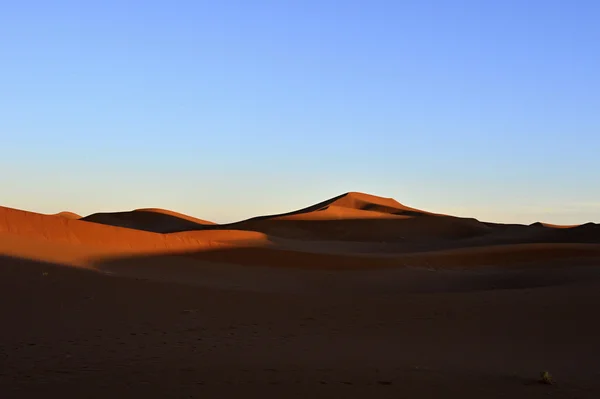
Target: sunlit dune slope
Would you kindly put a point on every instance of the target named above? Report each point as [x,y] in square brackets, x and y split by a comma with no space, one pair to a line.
[68,215]
[50,237]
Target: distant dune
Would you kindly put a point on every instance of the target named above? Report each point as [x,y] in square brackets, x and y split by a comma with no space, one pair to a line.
[553,226]
[381,232]
[150,219]
[354,204]
[70,241]
[68,215]
[362,217]
[175,214]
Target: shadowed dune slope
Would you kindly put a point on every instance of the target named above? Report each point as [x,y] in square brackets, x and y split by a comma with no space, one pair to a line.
[380,229]
[524,256]
[150,219]
[175,214]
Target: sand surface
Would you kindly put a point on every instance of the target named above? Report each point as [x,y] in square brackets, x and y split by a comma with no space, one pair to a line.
[357,296]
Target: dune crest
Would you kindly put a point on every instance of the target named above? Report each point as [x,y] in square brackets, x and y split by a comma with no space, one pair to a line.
[356,216]
[149,219]
[175,214]
[68,215]
[367,202]
[354,203]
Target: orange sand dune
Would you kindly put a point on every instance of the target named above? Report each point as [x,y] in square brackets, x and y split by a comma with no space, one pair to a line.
[388,237]
[150,219]
[37,236]
[175,214]
[353,203]
[363,217]
[368,202]
[364,227]
[358,217]
[554,226]
[68,215]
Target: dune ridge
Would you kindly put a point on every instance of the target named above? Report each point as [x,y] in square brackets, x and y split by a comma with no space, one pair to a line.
[149,219]
[175,214]
[350,231]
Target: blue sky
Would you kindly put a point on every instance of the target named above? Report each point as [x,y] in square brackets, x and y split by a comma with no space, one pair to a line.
[230,109]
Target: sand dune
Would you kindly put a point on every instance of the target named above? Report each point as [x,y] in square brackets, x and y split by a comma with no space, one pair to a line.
[175,214]
[150,219]
[347,228]
[68,215]
[362,217]
[359,293]
[353,203]
[553,226]
[357,217]
[36,236]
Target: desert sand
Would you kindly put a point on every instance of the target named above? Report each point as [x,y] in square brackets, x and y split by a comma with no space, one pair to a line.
[357,296]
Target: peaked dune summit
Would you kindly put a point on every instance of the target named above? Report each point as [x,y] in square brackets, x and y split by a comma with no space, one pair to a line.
[356,216]
[349,205]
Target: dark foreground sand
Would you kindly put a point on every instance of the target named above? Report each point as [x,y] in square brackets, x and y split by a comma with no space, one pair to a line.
[96,311]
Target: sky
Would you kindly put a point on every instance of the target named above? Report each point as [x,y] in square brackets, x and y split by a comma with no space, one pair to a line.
[230,109]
